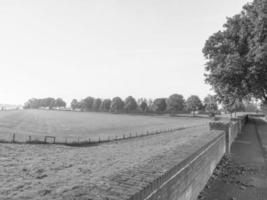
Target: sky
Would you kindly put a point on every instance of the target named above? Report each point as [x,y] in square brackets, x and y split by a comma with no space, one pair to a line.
[106,48]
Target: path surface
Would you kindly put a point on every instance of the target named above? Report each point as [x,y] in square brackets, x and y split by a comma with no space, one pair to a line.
[242,175]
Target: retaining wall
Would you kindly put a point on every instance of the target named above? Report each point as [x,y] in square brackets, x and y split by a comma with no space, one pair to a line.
[190,177]
[187,179]
[178,175]
[231,128]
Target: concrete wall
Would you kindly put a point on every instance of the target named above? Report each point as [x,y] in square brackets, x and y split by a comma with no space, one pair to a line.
[187,179]
[181,179]
[231,128]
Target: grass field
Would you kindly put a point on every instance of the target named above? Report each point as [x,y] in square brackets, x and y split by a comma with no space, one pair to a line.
[73,125]
[62,172]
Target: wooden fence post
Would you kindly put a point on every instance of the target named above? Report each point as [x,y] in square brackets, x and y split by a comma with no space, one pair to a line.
[14,138]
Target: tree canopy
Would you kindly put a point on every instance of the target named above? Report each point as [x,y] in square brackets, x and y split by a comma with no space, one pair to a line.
[143,106]
[96,104]
[159,105]
[237,55]
[48,102]
[130,104]
[75,104]
[105,105]
[87,103]
[193,103]
[235,105]
[175,103]
[116,105]
[59,103]
[210,103]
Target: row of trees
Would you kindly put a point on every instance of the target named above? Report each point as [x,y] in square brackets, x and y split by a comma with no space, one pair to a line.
[174,104]
[237,57]
[45,103]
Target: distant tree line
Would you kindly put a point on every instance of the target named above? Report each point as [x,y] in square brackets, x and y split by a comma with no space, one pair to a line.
[173,104]
[49,103]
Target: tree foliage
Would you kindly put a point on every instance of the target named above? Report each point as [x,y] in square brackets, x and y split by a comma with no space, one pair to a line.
[116,105]
[251,106]
[210,104]
[193,103]
[159,105]
[48,102]
[237,56]
[234,105]
[130,104]
[96,104]
[75,104]
[87,103]
[175,103]
[105,105]
[59,103]
[143,106]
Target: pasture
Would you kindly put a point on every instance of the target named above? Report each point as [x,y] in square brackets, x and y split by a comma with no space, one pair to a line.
[75,126]
[63,172]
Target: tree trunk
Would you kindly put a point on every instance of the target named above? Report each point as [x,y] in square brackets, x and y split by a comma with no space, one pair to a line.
[264,108]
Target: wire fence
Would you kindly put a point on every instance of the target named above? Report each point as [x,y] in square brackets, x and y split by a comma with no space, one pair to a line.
[18,138]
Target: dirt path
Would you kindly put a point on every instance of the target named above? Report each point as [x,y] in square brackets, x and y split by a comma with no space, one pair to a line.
[242,175]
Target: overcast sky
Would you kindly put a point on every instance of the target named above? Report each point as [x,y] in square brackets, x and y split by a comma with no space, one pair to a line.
[79,48]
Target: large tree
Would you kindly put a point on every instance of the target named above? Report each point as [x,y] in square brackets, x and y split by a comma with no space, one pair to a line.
[143,106]
[117,105]
[59,103]
[159,105]
[193,103]
[105,105]
[237,56]
[48,102]
[175,103]
[96,104]
[130,104]
[234,106]
[75,104]
[210,104]
[87,103]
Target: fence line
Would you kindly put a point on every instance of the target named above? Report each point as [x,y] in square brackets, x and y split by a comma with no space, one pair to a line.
[90,141]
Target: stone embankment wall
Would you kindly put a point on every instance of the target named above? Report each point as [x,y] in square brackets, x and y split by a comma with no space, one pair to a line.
[185,180]
[231,128]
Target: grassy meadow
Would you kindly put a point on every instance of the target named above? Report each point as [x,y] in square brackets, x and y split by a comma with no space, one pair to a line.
[84,125]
